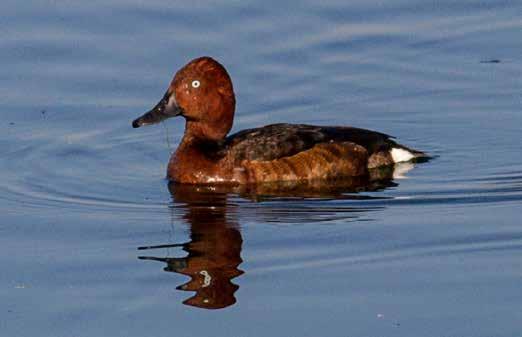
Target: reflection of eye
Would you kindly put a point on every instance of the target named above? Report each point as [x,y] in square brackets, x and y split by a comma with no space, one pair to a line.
[195,84]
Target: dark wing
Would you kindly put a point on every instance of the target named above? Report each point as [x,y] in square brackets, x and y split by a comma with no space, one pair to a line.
[282,140]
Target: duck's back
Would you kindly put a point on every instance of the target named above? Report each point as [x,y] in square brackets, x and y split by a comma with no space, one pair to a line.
[299,151]
[277,141]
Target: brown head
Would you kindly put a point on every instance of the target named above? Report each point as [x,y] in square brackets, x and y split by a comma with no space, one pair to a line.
[202,92]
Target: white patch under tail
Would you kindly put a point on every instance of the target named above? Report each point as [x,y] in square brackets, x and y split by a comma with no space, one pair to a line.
[401,155]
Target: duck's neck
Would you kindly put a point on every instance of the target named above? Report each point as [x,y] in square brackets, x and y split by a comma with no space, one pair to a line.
[195,149]
[202,140]
[204,132]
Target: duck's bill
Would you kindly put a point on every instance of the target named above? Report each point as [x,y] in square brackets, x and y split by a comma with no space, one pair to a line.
[166,108]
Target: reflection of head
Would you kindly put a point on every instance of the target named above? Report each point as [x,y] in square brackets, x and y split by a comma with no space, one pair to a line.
[212,262]
[213,251]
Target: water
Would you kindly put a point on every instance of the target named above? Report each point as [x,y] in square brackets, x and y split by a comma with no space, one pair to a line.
[434,254]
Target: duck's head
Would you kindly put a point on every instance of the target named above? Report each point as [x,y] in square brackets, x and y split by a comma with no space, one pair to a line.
[202,92]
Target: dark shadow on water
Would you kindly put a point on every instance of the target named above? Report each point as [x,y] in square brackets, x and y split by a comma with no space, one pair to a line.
[213,213]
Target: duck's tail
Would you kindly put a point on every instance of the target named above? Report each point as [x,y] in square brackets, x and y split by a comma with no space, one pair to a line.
[401,154]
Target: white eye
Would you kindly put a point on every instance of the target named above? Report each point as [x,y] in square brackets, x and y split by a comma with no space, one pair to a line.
[195,84]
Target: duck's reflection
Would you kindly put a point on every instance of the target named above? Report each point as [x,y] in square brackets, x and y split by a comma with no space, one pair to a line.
[214,249]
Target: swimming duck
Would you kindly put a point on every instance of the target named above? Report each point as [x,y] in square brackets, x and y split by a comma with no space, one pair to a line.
[202,93]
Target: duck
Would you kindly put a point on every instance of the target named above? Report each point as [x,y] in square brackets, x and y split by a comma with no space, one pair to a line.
[202,93]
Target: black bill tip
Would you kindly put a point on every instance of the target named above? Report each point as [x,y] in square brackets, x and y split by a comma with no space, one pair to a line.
[136,123]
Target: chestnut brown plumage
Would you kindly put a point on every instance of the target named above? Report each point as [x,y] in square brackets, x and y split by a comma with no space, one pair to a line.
[202,92]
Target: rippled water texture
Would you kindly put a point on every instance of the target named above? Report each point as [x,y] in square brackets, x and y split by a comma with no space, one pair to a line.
[96,243]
